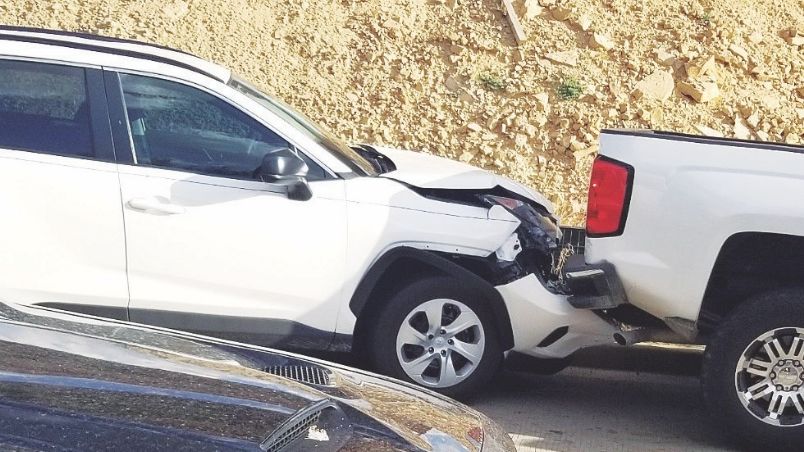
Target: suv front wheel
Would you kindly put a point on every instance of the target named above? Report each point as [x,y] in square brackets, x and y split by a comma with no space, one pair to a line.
[439,334]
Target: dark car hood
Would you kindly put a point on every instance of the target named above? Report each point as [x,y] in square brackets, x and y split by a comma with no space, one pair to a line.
[143,386]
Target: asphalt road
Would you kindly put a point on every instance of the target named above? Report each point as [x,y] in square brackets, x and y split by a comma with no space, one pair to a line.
[613,399]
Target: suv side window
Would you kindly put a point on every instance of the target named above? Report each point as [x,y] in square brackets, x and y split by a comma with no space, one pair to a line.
[44,108]
[176,126]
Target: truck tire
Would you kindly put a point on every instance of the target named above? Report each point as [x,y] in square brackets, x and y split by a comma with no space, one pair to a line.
[753,371]
[437,333]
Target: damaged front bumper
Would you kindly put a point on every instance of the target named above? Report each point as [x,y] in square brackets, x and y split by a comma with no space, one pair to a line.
[544,322]
[545,325]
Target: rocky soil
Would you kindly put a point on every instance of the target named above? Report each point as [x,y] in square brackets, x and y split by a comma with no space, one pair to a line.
[447,76]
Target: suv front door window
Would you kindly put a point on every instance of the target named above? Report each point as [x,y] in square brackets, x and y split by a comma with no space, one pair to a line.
[176,126]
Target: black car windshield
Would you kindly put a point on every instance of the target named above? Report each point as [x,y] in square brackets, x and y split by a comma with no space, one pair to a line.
[306,126]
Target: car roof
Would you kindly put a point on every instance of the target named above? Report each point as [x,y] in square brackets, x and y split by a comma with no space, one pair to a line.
[124,47]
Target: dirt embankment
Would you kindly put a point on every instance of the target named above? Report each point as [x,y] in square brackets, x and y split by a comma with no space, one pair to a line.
[447,77]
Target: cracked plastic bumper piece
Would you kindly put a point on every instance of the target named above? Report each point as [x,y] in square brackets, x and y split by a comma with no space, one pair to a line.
[545,325]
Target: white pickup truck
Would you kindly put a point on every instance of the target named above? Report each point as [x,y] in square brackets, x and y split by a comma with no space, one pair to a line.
[702,240]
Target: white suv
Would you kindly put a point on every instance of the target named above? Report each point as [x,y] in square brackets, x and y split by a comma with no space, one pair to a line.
[142,183]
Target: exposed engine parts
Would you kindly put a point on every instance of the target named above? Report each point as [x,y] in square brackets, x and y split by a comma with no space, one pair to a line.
[535,247]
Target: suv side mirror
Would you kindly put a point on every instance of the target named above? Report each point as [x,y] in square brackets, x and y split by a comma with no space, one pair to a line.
[284,167]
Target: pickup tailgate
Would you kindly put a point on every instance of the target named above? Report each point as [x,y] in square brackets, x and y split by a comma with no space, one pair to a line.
[684,196]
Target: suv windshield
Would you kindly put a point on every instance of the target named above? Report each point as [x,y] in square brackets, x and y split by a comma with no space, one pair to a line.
[303,124]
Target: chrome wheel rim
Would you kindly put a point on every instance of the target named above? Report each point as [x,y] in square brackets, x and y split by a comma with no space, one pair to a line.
[770,377]
[440,343]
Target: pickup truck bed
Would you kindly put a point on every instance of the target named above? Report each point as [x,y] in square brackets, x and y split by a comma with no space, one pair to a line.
[691,195]
[706,235]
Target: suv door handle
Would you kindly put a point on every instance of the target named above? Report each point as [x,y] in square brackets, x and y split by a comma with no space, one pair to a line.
[153,205]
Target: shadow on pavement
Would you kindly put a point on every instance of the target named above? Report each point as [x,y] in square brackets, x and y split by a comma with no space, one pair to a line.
[659,358]
[634,399]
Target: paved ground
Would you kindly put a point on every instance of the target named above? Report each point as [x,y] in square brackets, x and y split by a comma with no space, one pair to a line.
[636,399]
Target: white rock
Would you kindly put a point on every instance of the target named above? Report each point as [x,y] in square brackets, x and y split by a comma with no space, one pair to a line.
[701,92]
[568,57]
[702,67]
[664,58]
[771,101]
[543,100]
[176,10]
[658,85]
[704,130]
[739,51]
[585,22]
[474,127]
[753,120]
[531,9]
[741,129]
[601,41]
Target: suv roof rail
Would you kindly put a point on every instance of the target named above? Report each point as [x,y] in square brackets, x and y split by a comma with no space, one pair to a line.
[117,46]
[86,35]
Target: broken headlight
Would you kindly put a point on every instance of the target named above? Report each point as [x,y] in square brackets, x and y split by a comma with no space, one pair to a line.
[510,204]
[539,230]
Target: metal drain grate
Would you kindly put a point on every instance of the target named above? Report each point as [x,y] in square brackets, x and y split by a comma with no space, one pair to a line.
[574,237]
[305,373]
[295,428]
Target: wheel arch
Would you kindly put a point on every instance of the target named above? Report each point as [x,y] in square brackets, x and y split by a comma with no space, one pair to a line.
[403,265]
[748,264]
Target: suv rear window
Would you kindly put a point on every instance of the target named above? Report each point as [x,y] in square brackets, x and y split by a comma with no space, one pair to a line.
[44,108]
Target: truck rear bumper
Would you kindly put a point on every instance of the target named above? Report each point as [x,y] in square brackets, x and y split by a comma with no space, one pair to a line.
[545,325]
[593,286]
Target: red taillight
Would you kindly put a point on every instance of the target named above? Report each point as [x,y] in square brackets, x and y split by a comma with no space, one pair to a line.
[608,197]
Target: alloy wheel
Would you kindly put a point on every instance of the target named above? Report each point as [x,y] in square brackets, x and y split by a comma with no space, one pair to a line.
[770,377]
[440,343]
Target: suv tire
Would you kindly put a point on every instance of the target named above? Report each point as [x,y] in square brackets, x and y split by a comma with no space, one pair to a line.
[768,328]
[437,333]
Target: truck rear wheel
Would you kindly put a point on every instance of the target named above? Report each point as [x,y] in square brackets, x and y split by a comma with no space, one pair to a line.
[753,372]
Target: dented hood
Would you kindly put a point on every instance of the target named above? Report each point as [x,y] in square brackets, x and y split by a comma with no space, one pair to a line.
[430,171]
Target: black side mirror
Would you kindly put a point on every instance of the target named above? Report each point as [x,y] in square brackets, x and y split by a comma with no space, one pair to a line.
[284,167]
